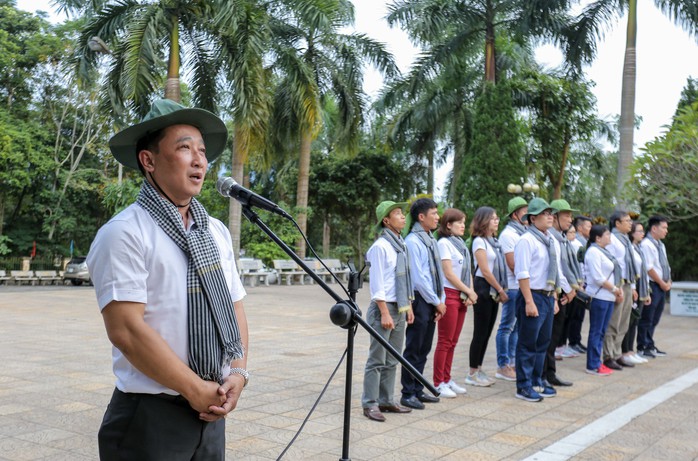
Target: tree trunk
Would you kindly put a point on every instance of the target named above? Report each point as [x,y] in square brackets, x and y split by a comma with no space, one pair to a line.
[172,89]
[240,146]
[430,173]
[560,180]
[490,61]
[302,190]
[627,104]
[2,212]
[326,237]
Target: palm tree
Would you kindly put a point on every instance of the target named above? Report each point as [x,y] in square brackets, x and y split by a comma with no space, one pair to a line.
[314,62]
[148,40]
[462,25]
[581,48]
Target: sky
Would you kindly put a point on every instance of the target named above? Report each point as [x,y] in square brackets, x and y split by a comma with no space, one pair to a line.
[666,57]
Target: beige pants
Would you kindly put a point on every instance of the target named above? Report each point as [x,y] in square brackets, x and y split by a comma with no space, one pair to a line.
[618,326]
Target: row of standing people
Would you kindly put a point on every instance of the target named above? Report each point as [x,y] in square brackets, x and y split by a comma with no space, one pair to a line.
[544,270]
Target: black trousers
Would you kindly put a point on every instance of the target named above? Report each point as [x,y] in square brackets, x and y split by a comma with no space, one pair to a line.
[484,318]
[147,427]
[418,339]
[574,325]
[558,326]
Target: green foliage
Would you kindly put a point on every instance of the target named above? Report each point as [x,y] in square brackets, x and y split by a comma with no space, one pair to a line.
[665,177]
[346,190]
[4,249]
[116,197]
[258,244]
[495,158]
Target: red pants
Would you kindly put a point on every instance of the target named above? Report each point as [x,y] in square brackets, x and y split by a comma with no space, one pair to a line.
[449,328]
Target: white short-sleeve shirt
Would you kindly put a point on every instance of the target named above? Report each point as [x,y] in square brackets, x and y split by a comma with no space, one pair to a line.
[480,243]
[448,251]
[132,259]
[508,239]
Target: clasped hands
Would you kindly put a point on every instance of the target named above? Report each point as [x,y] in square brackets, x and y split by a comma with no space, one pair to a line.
[214,401]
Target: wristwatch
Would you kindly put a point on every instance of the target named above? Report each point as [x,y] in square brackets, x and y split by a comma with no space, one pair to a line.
[242,372]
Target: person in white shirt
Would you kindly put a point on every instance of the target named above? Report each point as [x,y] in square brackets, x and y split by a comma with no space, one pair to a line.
[490,284]
[582,224]
[170,296]
[456,263]
[603,278]
[637,233]
[507,336]
[621,248]
[389,312]
[659,273]
[538,270]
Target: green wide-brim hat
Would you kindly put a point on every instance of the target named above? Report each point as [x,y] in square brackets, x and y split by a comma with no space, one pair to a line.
[516,204]
[536,207]
[383,210]
[164,113]
[562,205]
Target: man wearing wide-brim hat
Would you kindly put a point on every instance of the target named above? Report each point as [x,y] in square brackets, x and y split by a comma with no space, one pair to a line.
[166,284]
[390,310]
[538,270]
[507,336]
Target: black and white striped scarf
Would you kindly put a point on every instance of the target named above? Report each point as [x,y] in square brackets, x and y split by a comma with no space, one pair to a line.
[214,337]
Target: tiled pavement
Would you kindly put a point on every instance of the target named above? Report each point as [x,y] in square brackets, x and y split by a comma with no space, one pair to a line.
[55,381]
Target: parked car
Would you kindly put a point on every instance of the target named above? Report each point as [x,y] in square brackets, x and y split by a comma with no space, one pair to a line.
[76,271]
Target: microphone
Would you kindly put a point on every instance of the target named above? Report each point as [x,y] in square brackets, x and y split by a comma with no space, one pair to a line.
[228,187]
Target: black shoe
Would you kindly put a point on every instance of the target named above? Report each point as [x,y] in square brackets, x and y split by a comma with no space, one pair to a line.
[579,348]
[555,381]
[658,353]
[426,398]
[412,402]
[612,364]
[583,347]
[648,354]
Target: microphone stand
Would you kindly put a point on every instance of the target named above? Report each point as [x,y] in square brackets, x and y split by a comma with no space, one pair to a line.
[346,314]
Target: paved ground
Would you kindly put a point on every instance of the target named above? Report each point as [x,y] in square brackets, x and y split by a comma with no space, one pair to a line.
[55,381]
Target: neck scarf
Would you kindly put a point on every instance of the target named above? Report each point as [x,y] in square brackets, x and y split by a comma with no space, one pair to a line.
[568,258]
[643,289]
[465,273]
[629,261]
[499,270]
[435,259]
[403,281]
[617,275]
[214,337]
[663,261]
[553,277]
[517,226]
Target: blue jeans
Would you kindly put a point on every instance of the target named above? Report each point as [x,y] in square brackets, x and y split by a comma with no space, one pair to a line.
[507,334]
[534,337]
[381,366]
[600,313]
[650,318]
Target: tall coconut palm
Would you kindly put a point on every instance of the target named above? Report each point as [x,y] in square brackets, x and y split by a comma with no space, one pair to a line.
[150,43]
[462,25]
[315,61]
[590,25]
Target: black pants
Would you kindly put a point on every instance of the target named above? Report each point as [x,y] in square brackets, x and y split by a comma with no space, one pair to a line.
[146,427]
[628,343]
[558,326]
[418,339]
[484,318]
[574,326]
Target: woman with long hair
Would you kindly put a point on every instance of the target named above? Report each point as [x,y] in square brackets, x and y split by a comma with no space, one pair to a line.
[456,263]
[630,358]
[490,284]
[603,277]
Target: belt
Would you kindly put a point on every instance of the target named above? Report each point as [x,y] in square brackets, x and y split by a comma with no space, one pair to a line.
[544,292]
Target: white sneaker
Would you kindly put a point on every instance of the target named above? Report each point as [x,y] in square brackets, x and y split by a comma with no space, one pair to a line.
[483,376]
[569,352]
[474,379]
[456,388]
[558,352]
[637,359]
[445,391]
